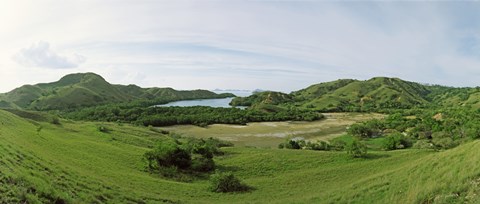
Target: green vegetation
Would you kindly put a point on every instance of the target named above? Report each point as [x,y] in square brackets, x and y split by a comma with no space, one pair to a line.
[226,182]
[88,89]
[267,97]
[75,163]
[439,129]
[198,115]
[379,94]
[424,151]
[356,149]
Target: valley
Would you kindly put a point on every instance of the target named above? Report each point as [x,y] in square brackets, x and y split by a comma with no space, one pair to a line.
[74,162]
[280,147]
[270,134]
[239,102]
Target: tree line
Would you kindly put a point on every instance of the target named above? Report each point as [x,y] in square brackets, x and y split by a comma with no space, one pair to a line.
[196,115]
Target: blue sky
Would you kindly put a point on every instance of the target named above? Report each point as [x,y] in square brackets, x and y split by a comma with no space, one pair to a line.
[276,45]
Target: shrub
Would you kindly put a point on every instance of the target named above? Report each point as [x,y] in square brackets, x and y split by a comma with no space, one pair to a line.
[202,164]
[338,145]
[226,182]
[423,144]
[396,140]
[444,143]
[320,145]
[168,154]
[443,140]
[295,143]
[103,129]
[356,149]
[55,120]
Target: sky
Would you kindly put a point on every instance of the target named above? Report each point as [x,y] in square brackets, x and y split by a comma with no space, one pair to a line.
[228,44]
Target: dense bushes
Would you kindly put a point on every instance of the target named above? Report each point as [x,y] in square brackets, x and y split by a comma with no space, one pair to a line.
[198,115]
[396,140]
[168,154]
[368,129]
[437,129]
[177,157]
[356,149]
[226,182]
[300,143]
[184,154]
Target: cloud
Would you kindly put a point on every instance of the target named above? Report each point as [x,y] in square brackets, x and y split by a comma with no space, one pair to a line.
[241,44]
[41,55]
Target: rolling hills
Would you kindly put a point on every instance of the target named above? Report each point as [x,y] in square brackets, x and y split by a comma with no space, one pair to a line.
[75,163]
[89,89]
[369,95]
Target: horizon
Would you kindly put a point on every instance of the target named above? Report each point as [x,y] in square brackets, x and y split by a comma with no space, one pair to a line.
[279,46]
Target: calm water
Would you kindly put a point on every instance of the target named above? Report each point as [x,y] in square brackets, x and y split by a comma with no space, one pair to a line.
[216,103]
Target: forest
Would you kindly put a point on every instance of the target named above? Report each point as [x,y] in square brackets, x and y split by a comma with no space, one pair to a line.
[197,115]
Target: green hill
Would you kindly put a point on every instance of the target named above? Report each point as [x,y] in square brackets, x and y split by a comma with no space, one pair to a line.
[89,89]
[374,94]
[267,97]
[379,92]
[75,163]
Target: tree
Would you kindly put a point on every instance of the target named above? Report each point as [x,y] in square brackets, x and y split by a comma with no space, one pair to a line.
[168,154]
[396,140]
[226,182]
[359,130]
[356,149]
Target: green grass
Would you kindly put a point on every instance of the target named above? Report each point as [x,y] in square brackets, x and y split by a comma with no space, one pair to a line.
[79,164]
[372,143]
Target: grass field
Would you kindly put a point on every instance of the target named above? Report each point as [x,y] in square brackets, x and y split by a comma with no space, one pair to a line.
[79,164]
[270,134]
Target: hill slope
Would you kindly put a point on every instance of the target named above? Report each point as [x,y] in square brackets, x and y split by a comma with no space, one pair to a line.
[89,89]
[379,92]
[76,163]
[376,93]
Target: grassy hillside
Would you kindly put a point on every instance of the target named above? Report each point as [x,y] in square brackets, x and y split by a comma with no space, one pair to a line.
[74,162]
[89,89]
[379,92]
[374,94]
[267,97]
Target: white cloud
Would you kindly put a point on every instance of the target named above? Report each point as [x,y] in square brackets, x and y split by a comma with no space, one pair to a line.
[239,44]
[41,55]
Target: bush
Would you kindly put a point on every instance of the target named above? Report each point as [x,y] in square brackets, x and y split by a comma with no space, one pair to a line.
[168,154]
[338,145]
[319,146]
[202,164]
[205,147]
[356,149]
[187,154]
[103,129]
[55,120]
[443,140]
[366,130]
[423,144]
[444,143]
[226,182]
[295,143]
[396,140]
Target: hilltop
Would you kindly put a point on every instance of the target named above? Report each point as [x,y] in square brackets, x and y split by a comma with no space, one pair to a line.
[89,89]
[374,94]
